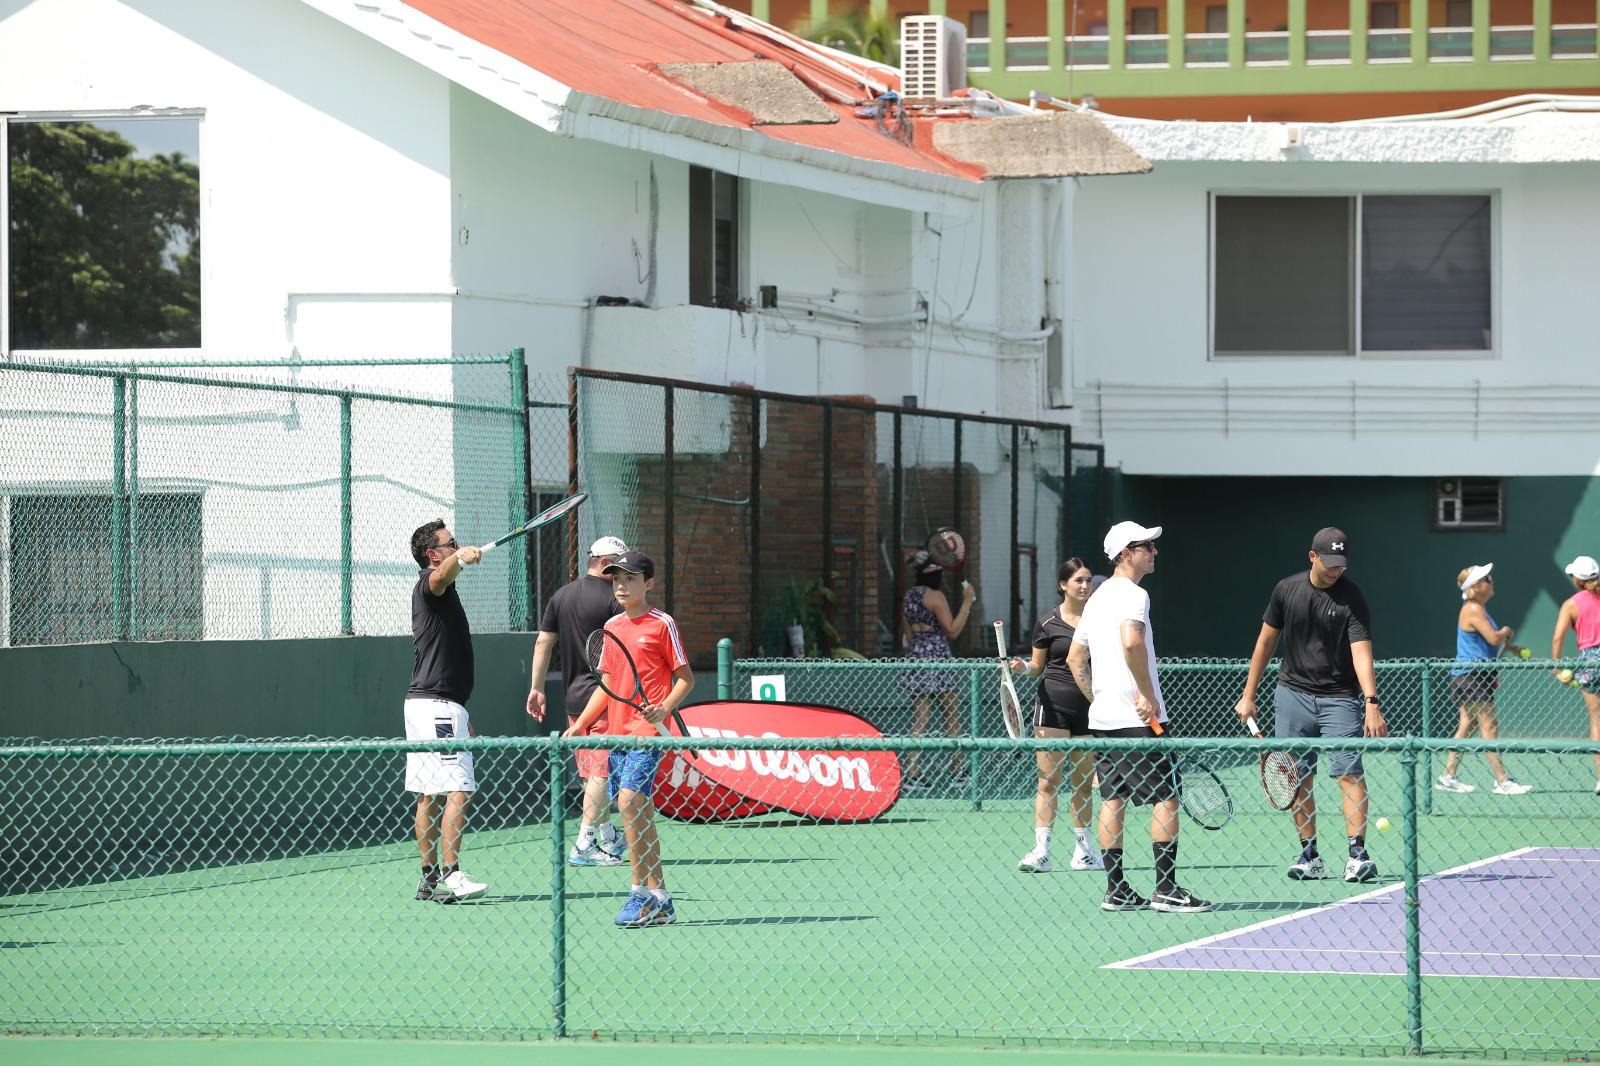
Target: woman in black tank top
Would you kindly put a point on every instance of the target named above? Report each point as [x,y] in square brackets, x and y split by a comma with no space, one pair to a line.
[1061,710]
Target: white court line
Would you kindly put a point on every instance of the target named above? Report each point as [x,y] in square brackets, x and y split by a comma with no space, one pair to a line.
[1297,915]
[1400,951]
[1369,973]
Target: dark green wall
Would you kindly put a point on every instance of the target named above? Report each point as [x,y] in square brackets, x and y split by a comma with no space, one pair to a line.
[1228,540]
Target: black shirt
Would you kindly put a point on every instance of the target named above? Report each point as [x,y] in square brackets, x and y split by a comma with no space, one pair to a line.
[572,613]
[1057,689]
[442,639]
[1318,626]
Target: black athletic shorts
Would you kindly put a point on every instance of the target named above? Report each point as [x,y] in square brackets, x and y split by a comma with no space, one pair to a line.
[1474,686]
[1136,776]
[1055,708]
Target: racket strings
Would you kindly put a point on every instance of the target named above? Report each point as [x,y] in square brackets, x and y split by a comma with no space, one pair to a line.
[1204,797]
[1280,778]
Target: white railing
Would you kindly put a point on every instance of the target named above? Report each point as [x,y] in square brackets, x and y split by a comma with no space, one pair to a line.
[1226,407]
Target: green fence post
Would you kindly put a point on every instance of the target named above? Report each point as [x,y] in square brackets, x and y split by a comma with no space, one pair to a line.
[725,668]
[133,508]
[973,758]
[558,887]
[522,613]
[346,522]
[119,507]
[1427,731]
[1413,907]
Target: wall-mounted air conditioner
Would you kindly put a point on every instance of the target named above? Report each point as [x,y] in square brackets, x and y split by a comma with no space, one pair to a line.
[933,57]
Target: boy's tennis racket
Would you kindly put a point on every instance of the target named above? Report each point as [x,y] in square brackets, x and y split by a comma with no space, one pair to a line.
[1010,706]
[608,656]
[543,518]
[1280,774]
[1205,798]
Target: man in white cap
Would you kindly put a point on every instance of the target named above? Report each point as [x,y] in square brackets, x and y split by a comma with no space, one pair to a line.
[1113,660]
[570,615]
[1327,687]
[1581,614]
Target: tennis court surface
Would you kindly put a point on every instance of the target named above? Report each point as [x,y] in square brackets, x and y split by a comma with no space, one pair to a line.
[269,894]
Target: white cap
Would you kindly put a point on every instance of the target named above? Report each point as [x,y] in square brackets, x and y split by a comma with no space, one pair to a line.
[1125,533]
[1475,575]
[1584,568]
[607,546]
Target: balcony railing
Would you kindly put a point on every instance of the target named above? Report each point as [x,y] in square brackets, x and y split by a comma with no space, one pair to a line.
[1295,60]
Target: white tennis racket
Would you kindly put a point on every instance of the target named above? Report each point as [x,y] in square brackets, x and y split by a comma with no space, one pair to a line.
[1010,706]
[543,518]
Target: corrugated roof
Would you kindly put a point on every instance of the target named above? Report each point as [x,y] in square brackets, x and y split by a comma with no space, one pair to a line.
[613,48]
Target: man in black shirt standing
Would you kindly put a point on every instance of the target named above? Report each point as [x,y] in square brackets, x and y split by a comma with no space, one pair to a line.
[1326,688]
[441,684]
[570,615]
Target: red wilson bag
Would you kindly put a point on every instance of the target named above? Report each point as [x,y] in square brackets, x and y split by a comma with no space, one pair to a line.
[683,794]
[842,786]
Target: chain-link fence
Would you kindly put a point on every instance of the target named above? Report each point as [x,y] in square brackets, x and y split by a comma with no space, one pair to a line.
[145,504]
[766,511]
[259,888]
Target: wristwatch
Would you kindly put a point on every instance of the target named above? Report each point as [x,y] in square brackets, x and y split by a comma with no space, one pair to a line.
[1372,699]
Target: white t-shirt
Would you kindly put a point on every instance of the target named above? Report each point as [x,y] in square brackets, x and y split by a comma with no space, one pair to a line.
[1119,600]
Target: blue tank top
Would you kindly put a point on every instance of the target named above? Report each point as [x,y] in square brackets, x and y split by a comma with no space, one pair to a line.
[1471,647]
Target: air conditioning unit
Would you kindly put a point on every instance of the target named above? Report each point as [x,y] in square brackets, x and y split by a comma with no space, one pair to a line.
[933,57]
[1469,503]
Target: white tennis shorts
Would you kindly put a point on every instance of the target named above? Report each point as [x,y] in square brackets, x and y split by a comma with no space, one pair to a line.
[436,772]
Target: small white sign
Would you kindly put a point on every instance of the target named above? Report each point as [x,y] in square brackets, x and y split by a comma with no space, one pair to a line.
[768,688]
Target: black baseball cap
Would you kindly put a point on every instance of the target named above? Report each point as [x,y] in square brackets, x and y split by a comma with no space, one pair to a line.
[633,563]
[1331,546]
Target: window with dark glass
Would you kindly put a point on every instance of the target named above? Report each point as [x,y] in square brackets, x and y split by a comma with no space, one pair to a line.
[713,238]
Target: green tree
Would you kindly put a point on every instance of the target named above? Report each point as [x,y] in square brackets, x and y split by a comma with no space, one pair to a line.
[861,32]
[105,246]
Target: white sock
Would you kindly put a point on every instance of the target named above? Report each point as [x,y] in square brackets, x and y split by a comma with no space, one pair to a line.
[1081,834]
[1041,839]
[637,889]
[660,894]
[585,837]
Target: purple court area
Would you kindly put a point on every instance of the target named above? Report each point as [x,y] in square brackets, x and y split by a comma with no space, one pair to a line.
[1528,913]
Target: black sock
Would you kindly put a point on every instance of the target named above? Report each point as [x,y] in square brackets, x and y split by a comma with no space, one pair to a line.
[1166,853]
[446,871]
[1113,861]
[1308,849]
[430,873]
[1358,847]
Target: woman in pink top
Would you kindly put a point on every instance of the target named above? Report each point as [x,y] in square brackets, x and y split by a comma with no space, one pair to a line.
[1582,614]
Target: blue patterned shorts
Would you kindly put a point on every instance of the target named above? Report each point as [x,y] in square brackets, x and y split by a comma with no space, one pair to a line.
[634,770]
[1587,677]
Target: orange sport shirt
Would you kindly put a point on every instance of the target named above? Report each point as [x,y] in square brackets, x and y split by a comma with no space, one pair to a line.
[652,641]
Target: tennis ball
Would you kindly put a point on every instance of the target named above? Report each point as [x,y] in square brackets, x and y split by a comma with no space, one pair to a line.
[1525,653]
[1565,676]
[1383,825]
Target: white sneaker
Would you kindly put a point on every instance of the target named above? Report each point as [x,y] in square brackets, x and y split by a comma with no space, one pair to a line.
[593,855]
[1509,787]
[1037,861]
[462,887]
[1357,870]
[1597,787]
[612,840]
[1085,857]
[1450,783]
[1308,870]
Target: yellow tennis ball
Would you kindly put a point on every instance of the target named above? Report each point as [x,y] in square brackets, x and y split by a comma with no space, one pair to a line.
[1565,676]
[1526,653]
[1383,825]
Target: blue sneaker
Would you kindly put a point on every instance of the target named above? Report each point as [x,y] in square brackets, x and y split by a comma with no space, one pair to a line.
[630,912]
[660,913]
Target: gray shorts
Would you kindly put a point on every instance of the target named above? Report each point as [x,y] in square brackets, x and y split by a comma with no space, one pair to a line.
[1300,714]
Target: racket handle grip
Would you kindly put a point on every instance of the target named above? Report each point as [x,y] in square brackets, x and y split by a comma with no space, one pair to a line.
[1155,724]
[1250,723]
[487,548]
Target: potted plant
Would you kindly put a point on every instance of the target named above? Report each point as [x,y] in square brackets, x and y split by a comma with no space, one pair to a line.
[802,608]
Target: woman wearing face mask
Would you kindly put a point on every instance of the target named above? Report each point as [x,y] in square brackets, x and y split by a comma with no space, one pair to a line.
[1061,710]
[929,628]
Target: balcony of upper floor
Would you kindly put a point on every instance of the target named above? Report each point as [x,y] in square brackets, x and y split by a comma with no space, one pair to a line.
[1132,50]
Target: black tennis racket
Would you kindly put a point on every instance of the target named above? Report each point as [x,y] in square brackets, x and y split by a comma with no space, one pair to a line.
[543,518]
[608,657]
[1205,798]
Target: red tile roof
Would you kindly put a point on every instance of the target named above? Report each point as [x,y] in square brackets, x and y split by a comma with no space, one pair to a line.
[611,48]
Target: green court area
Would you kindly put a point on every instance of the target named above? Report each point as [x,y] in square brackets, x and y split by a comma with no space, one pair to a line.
[916,929]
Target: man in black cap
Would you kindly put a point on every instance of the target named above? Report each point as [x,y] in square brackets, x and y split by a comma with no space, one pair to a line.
[1326,688]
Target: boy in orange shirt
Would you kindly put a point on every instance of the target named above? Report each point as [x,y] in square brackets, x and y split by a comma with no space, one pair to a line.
[651,637]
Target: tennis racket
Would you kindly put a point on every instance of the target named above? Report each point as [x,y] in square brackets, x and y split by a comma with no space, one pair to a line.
[1280,774]
[543,518]
[1010,706]
[947,548]
[608,657]
[1205,798]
